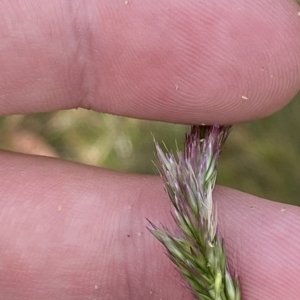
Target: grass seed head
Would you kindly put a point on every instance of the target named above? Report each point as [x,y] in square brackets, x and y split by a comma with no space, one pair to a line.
[197,250]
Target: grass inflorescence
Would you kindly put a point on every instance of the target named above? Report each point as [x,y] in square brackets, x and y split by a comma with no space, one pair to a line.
[196,248]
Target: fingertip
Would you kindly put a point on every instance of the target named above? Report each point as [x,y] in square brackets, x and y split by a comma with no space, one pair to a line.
[216,62]
[262,243]
[95,220]
[184,62]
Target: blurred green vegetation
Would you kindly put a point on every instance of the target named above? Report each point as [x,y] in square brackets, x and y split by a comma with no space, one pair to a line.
[260,158]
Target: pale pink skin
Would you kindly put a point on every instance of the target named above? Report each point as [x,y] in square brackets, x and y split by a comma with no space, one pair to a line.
[181,61]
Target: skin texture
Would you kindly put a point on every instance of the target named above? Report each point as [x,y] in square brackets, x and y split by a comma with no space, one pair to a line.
[71,231]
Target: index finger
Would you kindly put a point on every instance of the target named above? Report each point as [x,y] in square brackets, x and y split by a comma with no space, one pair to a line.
[177,61]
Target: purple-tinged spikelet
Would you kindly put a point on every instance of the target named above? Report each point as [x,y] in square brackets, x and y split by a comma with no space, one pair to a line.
[197,250]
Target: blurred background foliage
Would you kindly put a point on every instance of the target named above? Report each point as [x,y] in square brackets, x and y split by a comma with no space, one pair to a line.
[261,157]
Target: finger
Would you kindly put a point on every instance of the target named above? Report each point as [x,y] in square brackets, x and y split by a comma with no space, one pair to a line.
[76,232]
[179,61]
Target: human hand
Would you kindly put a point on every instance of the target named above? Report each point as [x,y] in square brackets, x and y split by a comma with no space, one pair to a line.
[177,61]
